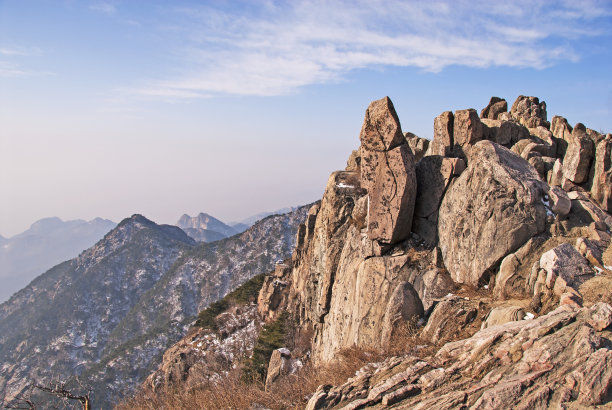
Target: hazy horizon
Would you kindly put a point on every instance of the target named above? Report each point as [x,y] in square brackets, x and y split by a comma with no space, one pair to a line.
[108,108]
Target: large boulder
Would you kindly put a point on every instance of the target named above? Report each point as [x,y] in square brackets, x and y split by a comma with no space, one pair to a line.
[387,173]
[529,111]
[601,189]
[577,160]
[492,209]
[495,107]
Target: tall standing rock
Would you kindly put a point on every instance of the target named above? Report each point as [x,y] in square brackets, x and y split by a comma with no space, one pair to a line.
[602,174]
[529,111]
[492,209]
[442,143]
[577,160]
[467,131]
[387,173]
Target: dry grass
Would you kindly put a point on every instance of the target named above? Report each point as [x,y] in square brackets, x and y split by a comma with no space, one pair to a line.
[290,392]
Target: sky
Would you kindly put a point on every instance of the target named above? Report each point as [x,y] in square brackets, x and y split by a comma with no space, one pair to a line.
[109,108]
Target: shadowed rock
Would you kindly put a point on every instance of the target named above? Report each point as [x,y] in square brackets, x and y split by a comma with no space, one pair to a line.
[495,107]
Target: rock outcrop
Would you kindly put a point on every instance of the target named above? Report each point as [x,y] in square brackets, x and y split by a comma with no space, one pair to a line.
[500,197]
[562,360]
[485,256]
[529,111]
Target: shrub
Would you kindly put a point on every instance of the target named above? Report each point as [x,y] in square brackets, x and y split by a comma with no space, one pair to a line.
[245,293]
[271,337]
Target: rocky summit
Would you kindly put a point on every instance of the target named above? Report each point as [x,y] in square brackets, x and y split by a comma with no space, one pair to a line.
[470,271]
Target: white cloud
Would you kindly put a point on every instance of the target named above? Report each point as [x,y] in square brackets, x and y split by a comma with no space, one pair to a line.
[278,48]
[103,7]
[20,51]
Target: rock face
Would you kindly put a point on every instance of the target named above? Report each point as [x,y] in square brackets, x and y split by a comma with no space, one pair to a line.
[496,106]
[434,175]
[500,196]
[556,360]
[529,111]
[387,173]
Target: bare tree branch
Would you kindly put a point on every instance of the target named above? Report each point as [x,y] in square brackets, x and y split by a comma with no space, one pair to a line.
[58,389]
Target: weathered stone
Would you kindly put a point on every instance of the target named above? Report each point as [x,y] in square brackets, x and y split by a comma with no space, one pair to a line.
[600,316]
[417,145]
[433,285]
[387,173]
[506,133]
[442,143]
[543,136]
[566,264]
[560,203]
[368,300]
[273,293]
[495,107]
[562,132]
[467,131]
[500,198]
[279,365]
[529,111]
[503,314]
[434,174]
[601,188]
[577,160]
[556,174]
[390,179]
[450,316]
[354,161]
[590,250]
[381,129]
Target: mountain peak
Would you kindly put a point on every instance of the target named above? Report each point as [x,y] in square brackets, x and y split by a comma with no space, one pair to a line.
[204,227]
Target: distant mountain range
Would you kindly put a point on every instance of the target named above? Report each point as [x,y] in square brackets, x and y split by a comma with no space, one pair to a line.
[206,228]
[109,314]
[46,243]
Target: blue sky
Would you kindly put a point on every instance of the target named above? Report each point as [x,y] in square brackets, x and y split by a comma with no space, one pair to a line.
[108,108]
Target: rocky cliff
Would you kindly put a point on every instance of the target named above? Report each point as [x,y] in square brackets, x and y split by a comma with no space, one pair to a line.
[491,242]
